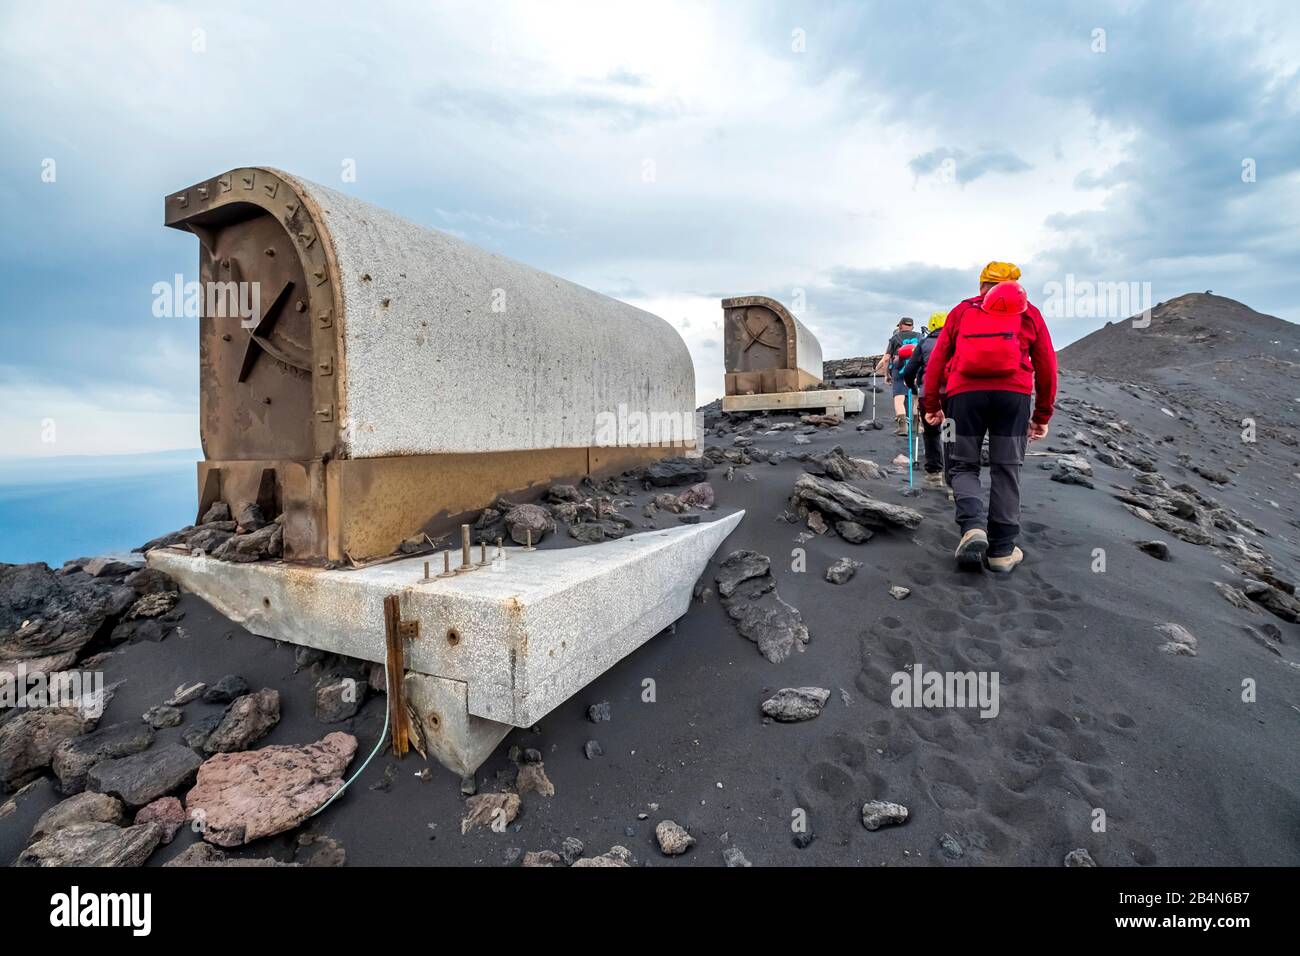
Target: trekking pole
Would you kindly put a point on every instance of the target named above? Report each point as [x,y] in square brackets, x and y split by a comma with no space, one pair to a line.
[909,439]
[873,396]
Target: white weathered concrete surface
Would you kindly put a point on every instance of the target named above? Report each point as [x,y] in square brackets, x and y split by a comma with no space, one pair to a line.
[528,633]
[808,351]
[445,345]
[845,400]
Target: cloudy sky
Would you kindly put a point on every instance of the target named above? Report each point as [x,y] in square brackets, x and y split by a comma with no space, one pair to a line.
[863,159]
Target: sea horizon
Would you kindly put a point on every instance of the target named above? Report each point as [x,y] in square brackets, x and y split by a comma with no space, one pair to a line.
[59,507]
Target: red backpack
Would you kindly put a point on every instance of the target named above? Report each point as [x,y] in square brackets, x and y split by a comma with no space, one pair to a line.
[988,340]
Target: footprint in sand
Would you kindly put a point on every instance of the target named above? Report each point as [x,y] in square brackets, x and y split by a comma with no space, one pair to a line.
[982,653]
[950,785]
[1142,854]
[1061,667]
[844,750]
[1122,721]
[940,620]
[830,779]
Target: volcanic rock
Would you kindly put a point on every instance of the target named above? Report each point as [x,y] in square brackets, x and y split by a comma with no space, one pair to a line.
[241,797]
[28,742]
[266,542]
[842,571]
[82,808]
[673,471]
[673,838]
[843,502]
[617,856]
[698,496]
[1180,640]
[881,813]
[339,698]
[144,777]
[792,704]
[523,520]
[161,716]
[495,811]
[94,844]
[226,690]
[44,614]
[73,758]
[1157,549]
[167,812]
[248,720]
[852,532]
[739,567]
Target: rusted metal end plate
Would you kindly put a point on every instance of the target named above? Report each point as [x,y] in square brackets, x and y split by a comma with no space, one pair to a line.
[766,349]
[268,346]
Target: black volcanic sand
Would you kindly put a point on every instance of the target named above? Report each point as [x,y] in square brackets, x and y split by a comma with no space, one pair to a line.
[1093,715]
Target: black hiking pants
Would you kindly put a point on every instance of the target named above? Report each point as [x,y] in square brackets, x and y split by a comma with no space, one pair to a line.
[930,435]
[1004,418]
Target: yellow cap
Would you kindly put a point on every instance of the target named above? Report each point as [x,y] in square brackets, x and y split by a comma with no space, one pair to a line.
[1000,272]
[937,319]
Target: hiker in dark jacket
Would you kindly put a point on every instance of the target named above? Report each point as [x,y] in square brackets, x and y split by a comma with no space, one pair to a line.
[994,354]
[914,377]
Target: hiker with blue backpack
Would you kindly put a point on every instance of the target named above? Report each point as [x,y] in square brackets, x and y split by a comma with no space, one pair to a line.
[993,354]
[914,377]
[901,345]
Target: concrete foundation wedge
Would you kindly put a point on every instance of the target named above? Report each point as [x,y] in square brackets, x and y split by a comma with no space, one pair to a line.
[521,636]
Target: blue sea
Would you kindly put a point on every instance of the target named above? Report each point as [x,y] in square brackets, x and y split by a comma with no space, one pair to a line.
[55,509]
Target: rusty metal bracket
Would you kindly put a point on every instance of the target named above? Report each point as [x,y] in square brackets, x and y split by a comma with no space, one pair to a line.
[398,718]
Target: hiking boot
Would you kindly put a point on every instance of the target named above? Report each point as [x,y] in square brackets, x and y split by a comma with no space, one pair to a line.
[1007,563]
[934,479]
[900,424]
[971,548]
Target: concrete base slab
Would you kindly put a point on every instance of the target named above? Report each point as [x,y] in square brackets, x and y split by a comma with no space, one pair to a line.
[836,401]
[521,636]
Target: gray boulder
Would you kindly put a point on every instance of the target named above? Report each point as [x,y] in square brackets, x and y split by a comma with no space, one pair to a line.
[73,758]
[792,704]
[841,501]
[28,742]
[144,777]
[523,520]
[882,813]
[94,844]
[82,808]
[842,571]
[246,721]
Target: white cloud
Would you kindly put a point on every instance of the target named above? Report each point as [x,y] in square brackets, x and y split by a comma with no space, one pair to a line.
[668,154]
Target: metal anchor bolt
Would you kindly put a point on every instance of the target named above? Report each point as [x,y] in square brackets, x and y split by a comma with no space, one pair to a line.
[447,572]
[465,563]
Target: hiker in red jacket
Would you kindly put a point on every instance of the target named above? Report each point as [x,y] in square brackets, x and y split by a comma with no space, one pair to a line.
[993,354]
